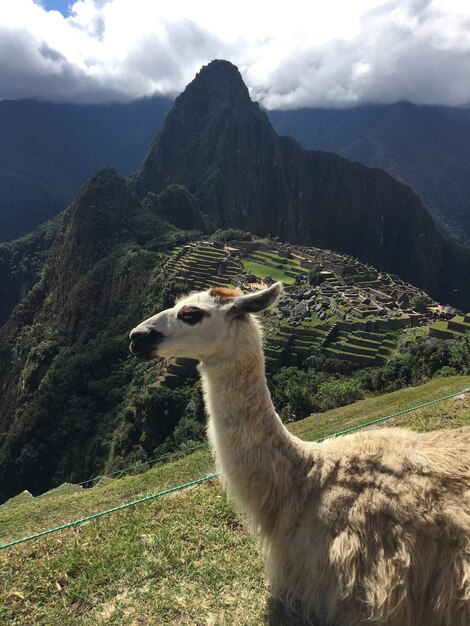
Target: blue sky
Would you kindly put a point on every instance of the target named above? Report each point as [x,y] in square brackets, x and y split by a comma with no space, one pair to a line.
[57,5]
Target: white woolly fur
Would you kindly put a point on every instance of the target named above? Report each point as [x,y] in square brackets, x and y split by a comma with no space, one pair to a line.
[371,528]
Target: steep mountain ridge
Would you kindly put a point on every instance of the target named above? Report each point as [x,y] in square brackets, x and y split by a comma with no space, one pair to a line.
[63,368]
[426,147]
[222,147]
[364,212]
[48,149]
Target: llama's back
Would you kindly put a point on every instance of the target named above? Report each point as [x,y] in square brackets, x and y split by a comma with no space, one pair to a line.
[385,532]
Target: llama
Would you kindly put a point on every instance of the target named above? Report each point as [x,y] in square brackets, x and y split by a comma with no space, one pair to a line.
[370,528]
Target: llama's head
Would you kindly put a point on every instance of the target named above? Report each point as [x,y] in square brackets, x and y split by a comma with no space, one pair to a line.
[206,325]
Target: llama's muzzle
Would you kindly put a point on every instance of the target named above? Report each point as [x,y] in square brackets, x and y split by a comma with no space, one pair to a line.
[144,342]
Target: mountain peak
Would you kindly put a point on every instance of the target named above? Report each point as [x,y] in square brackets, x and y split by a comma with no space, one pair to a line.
[213,122]
[221,78]
[92,224]
[221,147]
[218,85]
[220,67]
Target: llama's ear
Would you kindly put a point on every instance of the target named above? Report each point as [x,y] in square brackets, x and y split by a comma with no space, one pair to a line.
[255,302]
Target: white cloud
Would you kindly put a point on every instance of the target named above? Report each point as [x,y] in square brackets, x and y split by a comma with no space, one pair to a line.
[310,53]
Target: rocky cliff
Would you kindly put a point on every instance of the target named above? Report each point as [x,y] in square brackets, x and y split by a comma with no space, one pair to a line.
[426,147]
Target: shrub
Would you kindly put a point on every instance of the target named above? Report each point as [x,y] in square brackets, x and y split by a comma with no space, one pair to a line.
[334,393]
[293,392]
[446,371]
[460,353]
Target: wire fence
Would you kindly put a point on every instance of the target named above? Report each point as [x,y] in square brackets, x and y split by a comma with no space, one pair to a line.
[115,474]
[208,477]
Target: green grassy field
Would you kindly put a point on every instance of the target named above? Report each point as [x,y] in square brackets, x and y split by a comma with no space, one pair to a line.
[441,325]
[183,559]
[260,270]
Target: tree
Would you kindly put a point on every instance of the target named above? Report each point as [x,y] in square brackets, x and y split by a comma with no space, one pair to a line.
[231,234]
[334,393]
[460,353]
[293,392]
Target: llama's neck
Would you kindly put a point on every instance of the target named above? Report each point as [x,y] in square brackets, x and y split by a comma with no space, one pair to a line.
[253,449]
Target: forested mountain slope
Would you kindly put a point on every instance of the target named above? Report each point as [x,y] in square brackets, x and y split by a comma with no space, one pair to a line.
[48,150]
[426,147]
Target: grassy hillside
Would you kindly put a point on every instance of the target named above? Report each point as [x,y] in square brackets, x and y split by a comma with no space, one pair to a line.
[179,560]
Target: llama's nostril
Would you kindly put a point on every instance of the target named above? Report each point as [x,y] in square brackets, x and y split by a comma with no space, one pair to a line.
[145,339]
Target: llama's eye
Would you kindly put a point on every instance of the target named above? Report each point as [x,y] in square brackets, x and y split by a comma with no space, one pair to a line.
[190,315]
